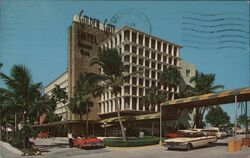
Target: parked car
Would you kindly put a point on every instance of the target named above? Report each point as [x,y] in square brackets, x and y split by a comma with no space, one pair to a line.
[43,134]
[215,131]
[189,139]
[171,135]
[88,142]
[241,131]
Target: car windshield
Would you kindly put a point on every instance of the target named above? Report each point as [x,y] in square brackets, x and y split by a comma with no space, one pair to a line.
[189,134]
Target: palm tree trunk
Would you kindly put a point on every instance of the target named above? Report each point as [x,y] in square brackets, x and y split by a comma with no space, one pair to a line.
[119,119]
[82,124]
[87,121]
[24,123]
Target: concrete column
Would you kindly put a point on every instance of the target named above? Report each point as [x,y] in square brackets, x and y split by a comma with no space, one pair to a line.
[130,102]
[130,35]
[156,44]
[122,34]
[122,90]
[137,103]
[102,108]
[105,107]
[113,42]
[114,105]
[118,38]
[161,46]
[143,40]
[109,44]
[122,103]
[150,43]
[137,38]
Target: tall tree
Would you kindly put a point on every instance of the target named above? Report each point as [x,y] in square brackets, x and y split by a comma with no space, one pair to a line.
[111,78]
[81,102]
[217,117]
[22,89]
[242,120]
[204,83]
[170,76]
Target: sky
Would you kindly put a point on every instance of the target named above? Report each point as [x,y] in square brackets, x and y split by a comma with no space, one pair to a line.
[34,33]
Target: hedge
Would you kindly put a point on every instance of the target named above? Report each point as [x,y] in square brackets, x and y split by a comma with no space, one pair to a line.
[131,142]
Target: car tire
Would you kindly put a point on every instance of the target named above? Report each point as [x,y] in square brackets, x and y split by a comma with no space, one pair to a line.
[189,147]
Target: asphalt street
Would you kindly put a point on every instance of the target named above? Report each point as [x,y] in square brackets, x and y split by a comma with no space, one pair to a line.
[58,148]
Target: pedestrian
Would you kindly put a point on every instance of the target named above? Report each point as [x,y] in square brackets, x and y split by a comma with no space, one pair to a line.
[71,139]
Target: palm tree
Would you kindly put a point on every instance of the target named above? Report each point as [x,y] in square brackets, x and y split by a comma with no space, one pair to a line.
[22,89]
[170,77]
[113,74]
[204,83]
[81,102]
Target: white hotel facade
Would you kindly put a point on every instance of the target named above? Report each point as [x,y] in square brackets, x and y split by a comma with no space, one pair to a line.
[144,52]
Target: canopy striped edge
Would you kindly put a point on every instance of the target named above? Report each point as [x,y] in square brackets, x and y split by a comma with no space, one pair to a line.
[132,118]
[208,96]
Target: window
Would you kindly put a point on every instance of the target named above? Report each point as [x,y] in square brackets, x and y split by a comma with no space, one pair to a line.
[147,83]
[153,43]
[134,80]
[175,51]
[134,60]
[152,55]
[159,46]
[152,74]
[134,37]
[140,39]
[141,51]
[127,90]
[134,100]
[134,49]
[126,68]
[146,63]
[127,58]
[159,66]
[140,81]
[164,58]
[188,74]
[146,41]
[126,79]
[134,90]
[153,65]
[126,48]
[147,73]
[140,91]
[133,68]
[169,49]
[146,53]
[126,35]
[159,57]
[140,61]
[164,47]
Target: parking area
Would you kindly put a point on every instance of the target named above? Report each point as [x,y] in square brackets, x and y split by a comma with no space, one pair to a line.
[58,148]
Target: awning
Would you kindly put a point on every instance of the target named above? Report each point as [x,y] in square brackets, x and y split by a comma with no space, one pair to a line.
[224,97]
[133,118]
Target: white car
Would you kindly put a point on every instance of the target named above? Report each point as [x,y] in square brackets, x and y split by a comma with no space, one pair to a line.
[189,139]
[215,131]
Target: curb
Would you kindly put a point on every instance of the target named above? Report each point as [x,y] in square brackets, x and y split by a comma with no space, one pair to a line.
[11,148]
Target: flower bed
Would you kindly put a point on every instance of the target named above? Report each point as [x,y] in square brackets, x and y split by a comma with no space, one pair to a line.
[131,142]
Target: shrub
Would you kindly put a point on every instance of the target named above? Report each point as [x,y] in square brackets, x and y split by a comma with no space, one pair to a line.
[131,142]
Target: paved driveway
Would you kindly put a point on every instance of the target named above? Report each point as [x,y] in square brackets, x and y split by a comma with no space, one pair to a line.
[58,149]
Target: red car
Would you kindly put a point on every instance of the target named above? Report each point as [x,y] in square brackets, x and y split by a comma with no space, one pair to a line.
[171,135]
[43,134]
[88,142]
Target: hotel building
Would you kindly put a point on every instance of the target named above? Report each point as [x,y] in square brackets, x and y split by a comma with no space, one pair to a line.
[139,50]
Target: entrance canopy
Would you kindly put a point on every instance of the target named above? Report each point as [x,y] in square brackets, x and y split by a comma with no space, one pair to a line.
[133,118]
[210,99]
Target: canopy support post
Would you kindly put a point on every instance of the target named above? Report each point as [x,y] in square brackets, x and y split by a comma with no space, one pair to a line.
[235,119]
[160,124]
[246,120]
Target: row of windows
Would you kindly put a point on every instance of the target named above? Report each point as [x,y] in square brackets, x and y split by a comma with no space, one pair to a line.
[139,91]
[136,102]
[154,44]
[148,63]
[146,52]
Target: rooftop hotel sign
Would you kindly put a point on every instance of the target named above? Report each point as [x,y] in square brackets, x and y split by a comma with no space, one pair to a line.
[87,38]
